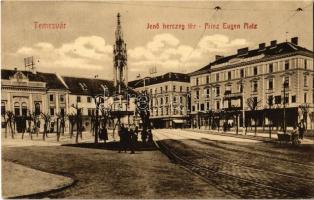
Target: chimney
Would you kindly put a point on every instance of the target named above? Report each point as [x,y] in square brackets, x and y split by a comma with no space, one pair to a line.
[217,57]
[261,46]
[294,40]
[243,51]
[273,43]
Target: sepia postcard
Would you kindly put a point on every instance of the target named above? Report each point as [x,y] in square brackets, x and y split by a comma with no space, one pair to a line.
[157,99]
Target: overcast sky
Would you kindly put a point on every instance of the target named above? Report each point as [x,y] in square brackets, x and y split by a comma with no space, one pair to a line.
[84,47]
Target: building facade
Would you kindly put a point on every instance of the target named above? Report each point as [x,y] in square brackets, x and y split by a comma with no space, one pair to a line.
[169,97]
[277,78]
[24,92]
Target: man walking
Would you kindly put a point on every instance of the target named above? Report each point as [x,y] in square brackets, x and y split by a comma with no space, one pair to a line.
[301,128]
[123,138]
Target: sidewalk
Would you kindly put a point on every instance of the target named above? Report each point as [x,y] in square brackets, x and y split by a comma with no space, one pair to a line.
[249,135]
[19,181]
[51,140]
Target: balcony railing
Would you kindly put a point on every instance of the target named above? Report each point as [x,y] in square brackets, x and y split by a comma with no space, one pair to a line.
[229,95]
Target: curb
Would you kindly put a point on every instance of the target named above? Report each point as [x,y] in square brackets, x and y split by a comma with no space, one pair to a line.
[44,194]
[259,138]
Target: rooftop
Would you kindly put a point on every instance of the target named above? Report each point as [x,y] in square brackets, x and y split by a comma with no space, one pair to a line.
[261,52]
[87,86]
[52,81]
[170,76]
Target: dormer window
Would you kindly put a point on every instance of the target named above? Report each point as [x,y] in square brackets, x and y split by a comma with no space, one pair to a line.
[83,86]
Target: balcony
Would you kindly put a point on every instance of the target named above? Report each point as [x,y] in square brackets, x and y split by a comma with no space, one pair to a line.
[229,95]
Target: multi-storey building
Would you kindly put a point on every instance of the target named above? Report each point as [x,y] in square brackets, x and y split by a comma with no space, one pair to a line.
[278,77]
[84,91]
[82,95]
[169,98]
[31,91]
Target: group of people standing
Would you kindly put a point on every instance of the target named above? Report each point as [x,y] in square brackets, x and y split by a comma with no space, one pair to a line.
[298,131]
[129,138]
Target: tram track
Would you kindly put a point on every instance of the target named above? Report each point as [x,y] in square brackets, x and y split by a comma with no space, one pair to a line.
[244,165]
[254,150]
[260,181]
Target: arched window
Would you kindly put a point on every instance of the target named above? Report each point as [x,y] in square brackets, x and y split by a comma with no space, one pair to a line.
[24,109]
[37,108]
[17,108]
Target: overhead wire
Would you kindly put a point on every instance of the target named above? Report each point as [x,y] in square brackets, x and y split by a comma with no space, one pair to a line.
[200,8]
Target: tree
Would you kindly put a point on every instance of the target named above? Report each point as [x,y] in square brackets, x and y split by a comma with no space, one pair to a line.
[236,114]
[209,114]
[72,119]
[253,103]
[30,119]
[305,108]
[46,117]
[311,115]
[58,130]
[270,104]
[10,122]
[79,122]
[105,117]
[142,108]
[3,115]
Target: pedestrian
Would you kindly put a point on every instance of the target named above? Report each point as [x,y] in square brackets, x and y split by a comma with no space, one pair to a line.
[144,136]
[122,135]
[105,134]
[150,136]
[301,127]
[136,131]
[225,126]
[132,141]
[295,135]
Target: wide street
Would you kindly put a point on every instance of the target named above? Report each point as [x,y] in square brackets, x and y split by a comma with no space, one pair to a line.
[198,165]
[244,168]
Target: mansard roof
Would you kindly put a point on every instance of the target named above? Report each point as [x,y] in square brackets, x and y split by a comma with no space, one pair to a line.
[266,52]
[87,86]
[170,76]
[52,81]
[91,86]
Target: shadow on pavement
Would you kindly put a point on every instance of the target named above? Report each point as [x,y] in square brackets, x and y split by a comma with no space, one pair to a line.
[115,145]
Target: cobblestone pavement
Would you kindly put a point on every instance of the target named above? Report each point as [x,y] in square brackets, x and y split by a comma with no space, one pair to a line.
[243,167]
[100,171]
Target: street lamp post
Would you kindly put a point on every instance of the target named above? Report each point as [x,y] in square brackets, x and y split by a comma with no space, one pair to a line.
[243,111]
[285,84]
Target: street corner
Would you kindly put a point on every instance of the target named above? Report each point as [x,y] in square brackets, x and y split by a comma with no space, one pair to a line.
[19,181]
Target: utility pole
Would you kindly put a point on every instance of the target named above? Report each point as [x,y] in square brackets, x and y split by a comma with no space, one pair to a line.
[285,84]
[243,111]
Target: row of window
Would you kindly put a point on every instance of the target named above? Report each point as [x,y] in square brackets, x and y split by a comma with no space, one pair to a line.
[254,87]
[165,89]
[272,100]
[162,112]
[161,100]
[88,99]
[241,73]
[52,97]
[20,109]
